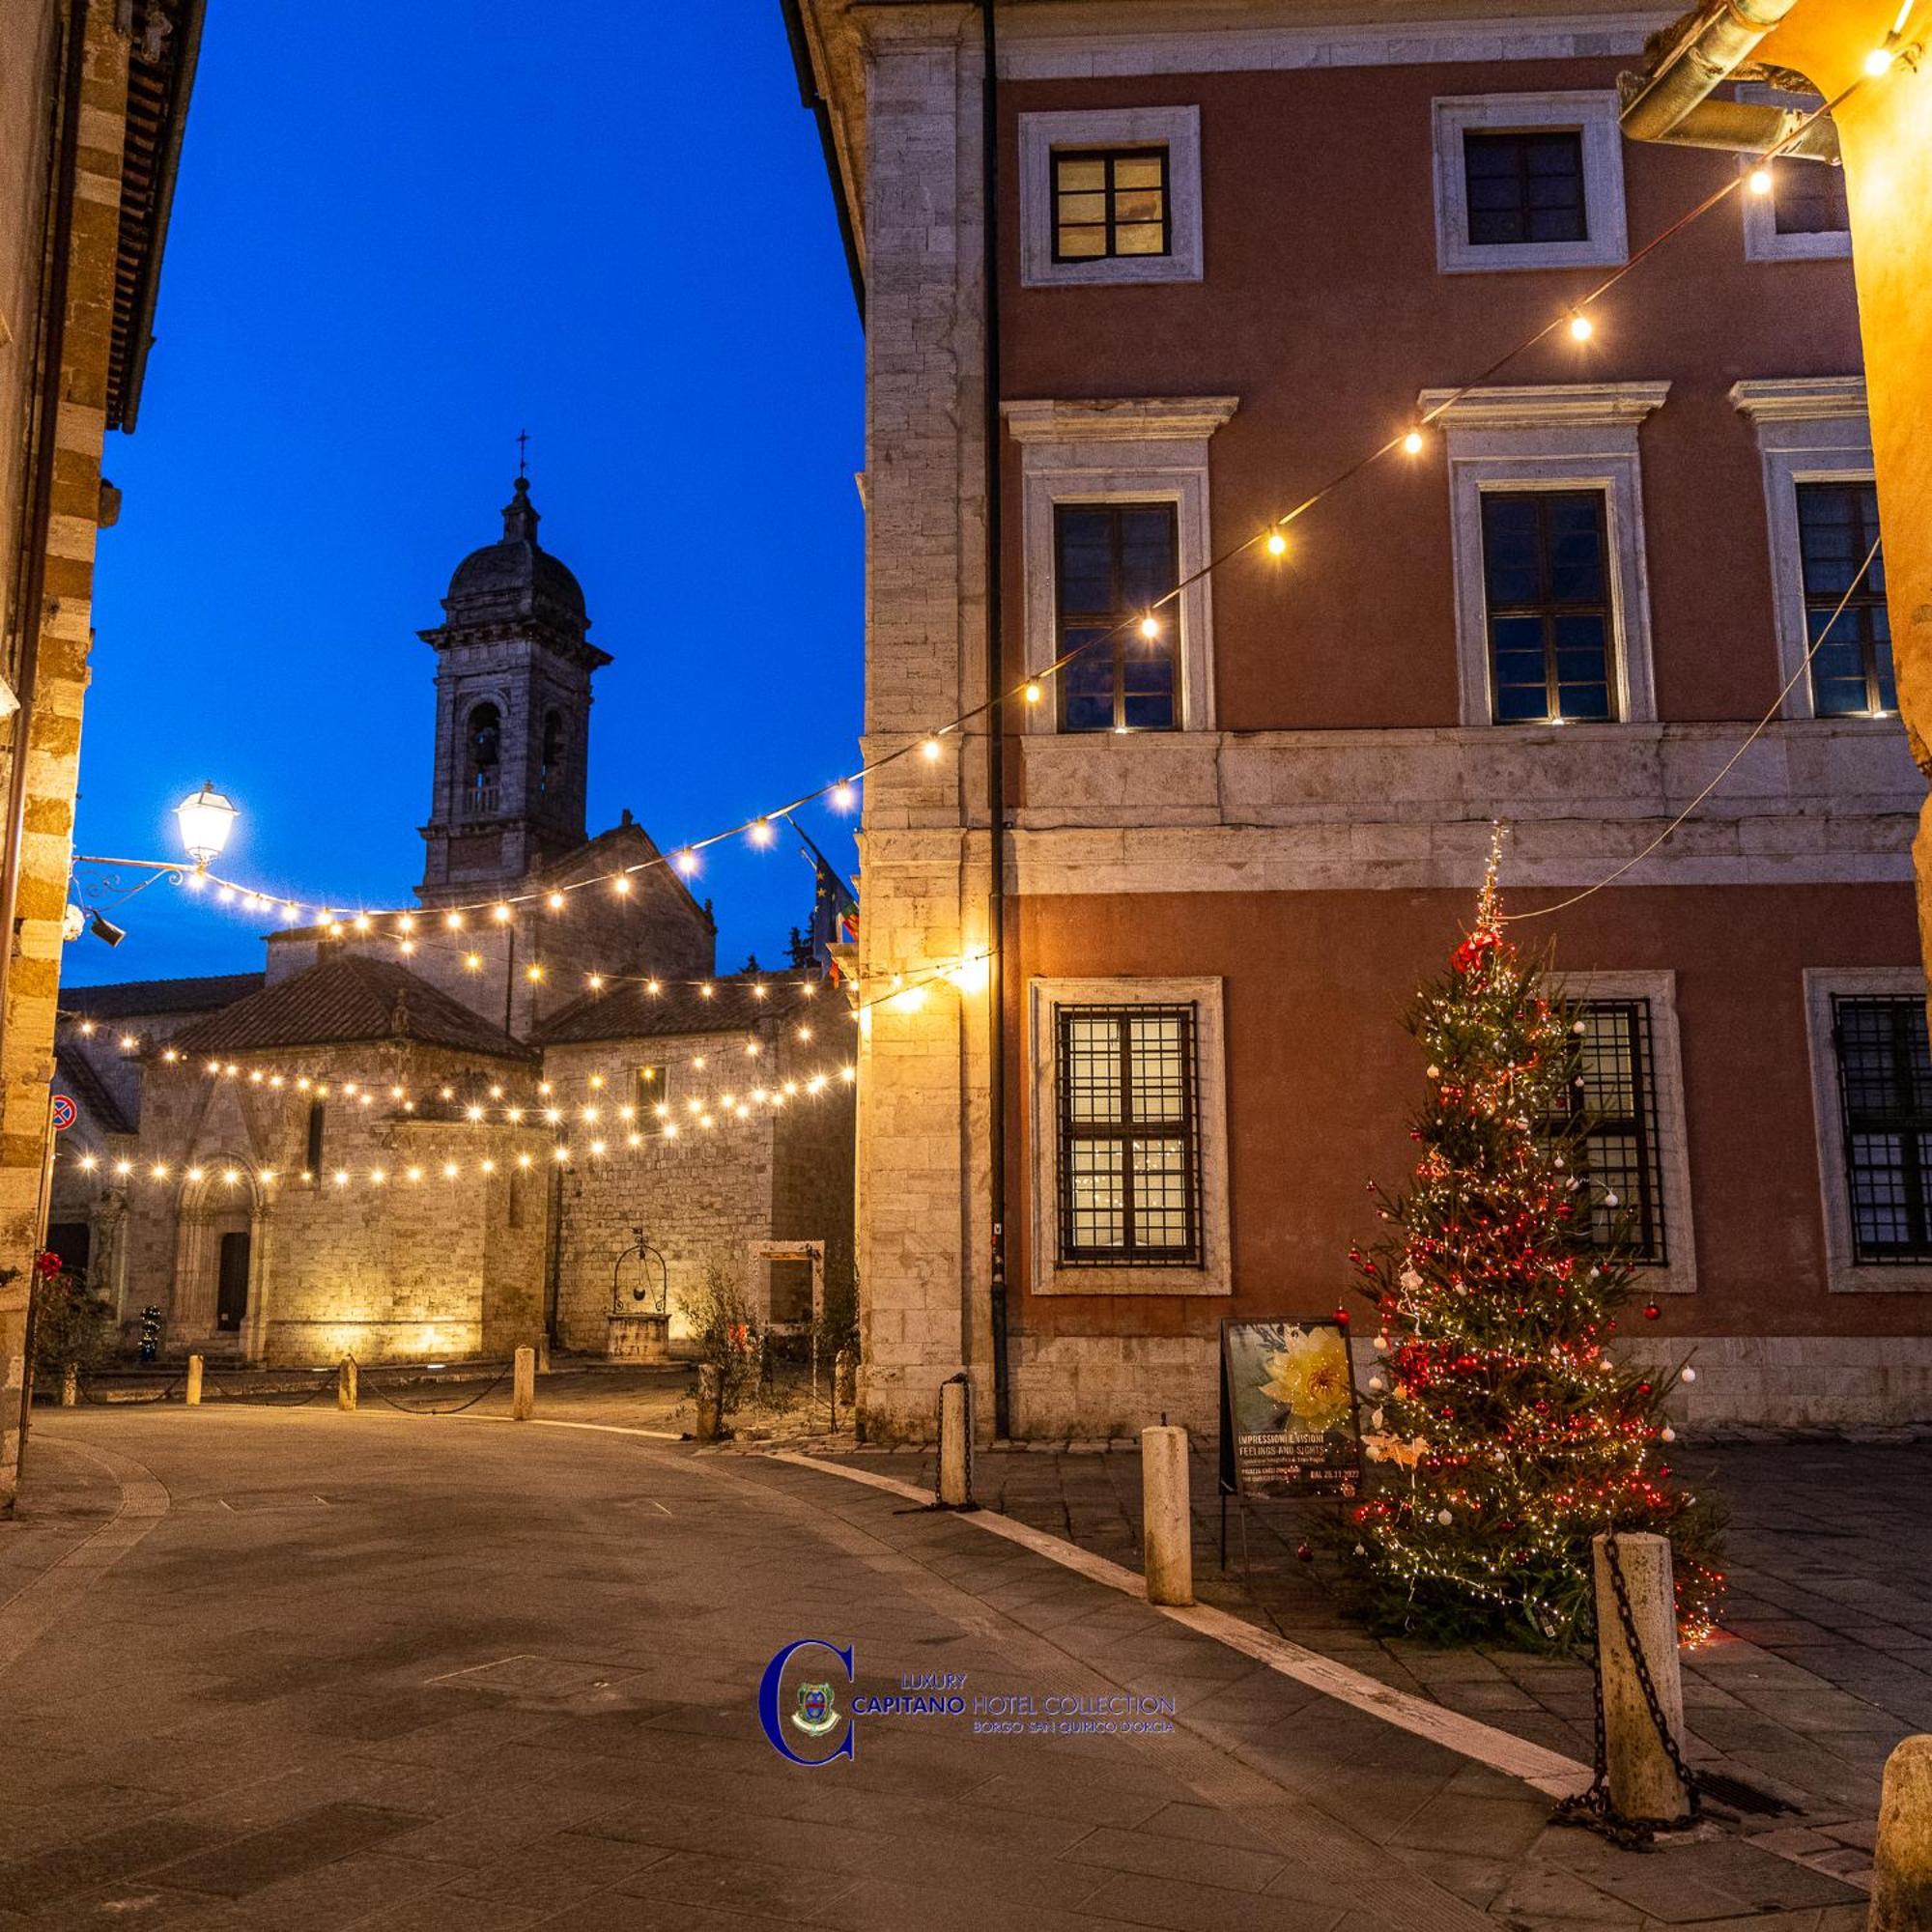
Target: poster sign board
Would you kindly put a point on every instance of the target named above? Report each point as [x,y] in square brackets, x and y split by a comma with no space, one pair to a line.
[1288,1426]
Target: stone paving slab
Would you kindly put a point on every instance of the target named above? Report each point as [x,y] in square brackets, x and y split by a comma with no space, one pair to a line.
[480,1686]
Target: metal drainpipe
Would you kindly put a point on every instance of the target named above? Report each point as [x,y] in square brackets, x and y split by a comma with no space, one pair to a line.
[996,726]
[1672,102]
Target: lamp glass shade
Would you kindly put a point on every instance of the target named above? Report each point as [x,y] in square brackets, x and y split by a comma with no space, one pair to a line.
[206,818]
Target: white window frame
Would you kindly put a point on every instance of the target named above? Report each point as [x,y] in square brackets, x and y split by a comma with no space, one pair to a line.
[1811,429]
[1136,451]
[1843,1274]
[1761,240]
[1214,1273]
[1593,114]
[1563,436]
[1176,129]
[1678,1273]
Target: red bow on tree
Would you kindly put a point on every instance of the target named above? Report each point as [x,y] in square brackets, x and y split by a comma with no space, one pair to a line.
[1468,955]
[48,1263]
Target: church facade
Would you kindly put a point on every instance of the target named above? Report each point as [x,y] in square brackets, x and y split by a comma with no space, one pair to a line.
[489,1126]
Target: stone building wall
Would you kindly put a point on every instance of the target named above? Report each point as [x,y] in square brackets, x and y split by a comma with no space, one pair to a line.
[53,740]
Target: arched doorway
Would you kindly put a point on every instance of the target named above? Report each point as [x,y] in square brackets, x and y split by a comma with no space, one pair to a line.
[221,1274]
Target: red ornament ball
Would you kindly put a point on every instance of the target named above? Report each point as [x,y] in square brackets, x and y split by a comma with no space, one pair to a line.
[1651,1311]
[1303,1551]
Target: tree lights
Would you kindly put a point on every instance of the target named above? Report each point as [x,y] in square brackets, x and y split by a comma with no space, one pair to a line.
[1506,1433]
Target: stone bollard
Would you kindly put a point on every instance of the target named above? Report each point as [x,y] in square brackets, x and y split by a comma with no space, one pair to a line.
[345,1383]
[955,1443]
[1901,1896]
[710,1401]
[1167,1517]
[1643,1781]
[524,1386]
[846,1379]
[69,1385]
[193,1396]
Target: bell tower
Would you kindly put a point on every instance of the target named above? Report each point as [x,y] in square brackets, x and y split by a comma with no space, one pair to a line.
[512,714]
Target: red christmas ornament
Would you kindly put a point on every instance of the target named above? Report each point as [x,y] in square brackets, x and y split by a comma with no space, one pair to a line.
[1651,1311]
[1342,1316]
[1306,1554]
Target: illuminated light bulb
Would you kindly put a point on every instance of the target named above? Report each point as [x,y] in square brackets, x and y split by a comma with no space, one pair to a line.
[377,1177]
[363,921]
[513,1115]
[523,1160]
[596,1080]
[809,988]
[488,1167]
[1879,61]
[816,1084]
[322,1089]
[450,1169]
[231,1070]
[705,1121]
[791,1086]
[761,832]
[226,894]
[843,796]
[255,1076]
[306,1177]
[596,982]
[555,902]
[499,912]
[124,1167]
[662,1110]
[634,1140]
[301,1086]
[195,1172]
[543,1086]
[589,1113]
[195,881]
[621,883]
[342,1176]
[414,1174]
[848,1073]
[1413,442]
[160,1170]
[562,1153]
[325,916]
[453,921]
[1581,328]
[395,1093]
[627,1113]
[290,910]
[728,1101]
[87,1029]
[804,1033]
[474,1112]
[686,862]
[406,922]
[171,1055]
[1760,180]
[552,1114]
[704,992]
[128,1042]
[1149,626]
[270,1176]
[533,973]
[408,947]
[349,1087]
[930,751]
[445,1093]
[750,1049]
[596,1147]
[670,1131]
[653,987]
[1034,693]
[1277,544]
[759,990]
[495,1093]
[472,963]
[88,1164]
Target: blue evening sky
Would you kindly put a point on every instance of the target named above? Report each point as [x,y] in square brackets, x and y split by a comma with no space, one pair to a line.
[402,234]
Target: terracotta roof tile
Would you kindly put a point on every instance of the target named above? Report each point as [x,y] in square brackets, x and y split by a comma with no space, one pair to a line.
[123,996]
[347,1000]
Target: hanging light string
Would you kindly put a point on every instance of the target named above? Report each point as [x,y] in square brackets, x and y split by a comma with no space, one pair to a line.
[842,793]
[1723,772]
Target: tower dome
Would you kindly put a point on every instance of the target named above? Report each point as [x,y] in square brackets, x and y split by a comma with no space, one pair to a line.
[516,581]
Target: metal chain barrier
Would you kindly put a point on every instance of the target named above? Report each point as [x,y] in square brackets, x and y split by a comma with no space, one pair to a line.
[1593,1809]
[415,1408]
[140,1401]
[268,1397]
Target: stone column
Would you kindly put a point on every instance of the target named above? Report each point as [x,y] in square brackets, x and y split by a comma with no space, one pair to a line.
[925,1201]
[1167,1517]
[1643,1781]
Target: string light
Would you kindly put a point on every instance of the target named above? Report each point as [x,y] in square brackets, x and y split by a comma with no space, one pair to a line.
[1034,693]
[1582,326]
[761,832]
[1277,544]
[843,795]
[1879,61]
[930,751]
[1760,180]
[1151,626]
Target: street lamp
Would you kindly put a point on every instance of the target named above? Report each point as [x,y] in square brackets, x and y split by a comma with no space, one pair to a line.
[206,820]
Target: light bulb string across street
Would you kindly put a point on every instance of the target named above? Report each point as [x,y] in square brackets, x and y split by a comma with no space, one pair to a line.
[841,792]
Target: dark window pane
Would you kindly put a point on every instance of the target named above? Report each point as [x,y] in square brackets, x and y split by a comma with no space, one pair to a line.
[1809,198]
[1851,646]
[1612,1106]
[1885,1092]
[1114,563]
[1545,584]
[1524,188]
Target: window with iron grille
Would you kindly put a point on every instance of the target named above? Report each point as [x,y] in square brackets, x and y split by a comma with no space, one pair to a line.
[1110,563]
[1110,200]
[1525,188]
[1809,198]
[1546,601]
[1851,670]
[1613,1109]
[1885,1091]
[1129,1135]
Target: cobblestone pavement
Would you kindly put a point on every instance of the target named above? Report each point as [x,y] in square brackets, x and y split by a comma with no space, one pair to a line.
[378,1670]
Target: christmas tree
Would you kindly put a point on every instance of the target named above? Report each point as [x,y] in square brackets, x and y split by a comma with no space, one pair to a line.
[1506,1433]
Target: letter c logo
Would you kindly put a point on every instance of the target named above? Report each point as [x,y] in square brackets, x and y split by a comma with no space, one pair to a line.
[770,1718]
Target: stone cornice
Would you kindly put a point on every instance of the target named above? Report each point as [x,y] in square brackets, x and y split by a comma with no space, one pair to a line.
[1798,398]
[1118,419]
[1543,404]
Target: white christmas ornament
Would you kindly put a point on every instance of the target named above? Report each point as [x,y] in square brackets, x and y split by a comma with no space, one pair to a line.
[1576,1026]
[1409,1281]
[1382,1345]
[1667,1434]
[1609,1199]
[1444,1517]
[1375,1385]
[1689,1375]
[1434,1072]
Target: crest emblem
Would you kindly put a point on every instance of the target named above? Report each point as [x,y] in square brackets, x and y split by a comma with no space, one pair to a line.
[817,1713]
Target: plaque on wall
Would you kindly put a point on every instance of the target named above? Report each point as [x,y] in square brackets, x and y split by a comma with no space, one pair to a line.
[1288,1426]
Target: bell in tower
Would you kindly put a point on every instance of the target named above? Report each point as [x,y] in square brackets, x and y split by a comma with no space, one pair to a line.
[512,714]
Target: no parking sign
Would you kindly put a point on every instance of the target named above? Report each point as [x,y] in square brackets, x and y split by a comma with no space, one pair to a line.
[65,1113]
